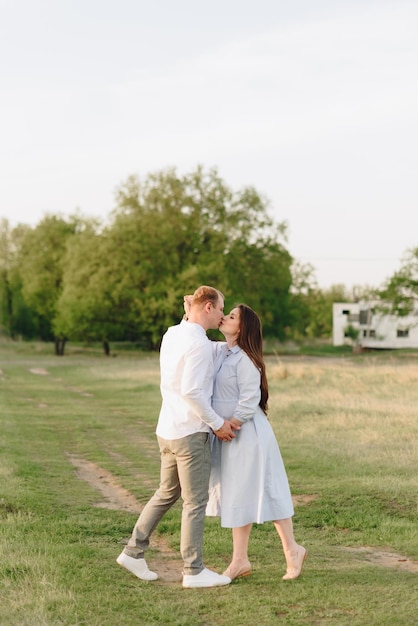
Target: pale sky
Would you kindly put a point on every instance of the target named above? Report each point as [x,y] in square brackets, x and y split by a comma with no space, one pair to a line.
[312,102]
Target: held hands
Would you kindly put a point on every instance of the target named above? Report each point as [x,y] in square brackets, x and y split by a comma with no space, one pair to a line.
[226,432]
[187,303]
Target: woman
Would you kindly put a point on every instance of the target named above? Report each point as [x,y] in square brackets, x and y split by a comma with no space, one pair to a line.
[248,482]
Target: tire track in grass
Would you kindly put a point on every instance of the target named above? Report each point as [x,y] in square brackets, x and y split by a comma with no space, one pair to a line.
[386,558]
[167,562]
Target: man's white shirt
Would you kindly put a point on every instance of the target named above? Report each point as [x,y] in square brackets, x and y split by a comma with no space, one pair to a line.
[187,372]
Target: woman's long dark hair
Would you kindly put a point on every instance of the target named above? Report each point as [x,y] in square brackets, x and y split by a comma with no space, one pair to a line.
[250,339]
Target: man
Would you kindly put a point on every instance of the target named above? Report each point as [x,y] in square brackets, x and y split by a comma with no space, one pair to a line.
[186,418]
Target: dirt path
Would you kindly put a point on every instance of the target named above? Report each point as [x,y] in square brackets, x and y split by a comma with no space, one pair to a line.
[386,559]
[168,563]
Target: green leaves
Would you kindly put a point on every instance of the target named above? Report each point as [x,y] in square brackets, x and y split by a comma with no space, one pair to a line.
[167,234]
[400,294]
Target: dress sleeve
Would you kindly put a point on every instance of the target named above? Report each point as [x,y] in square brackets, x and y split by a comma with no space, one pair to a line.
[248,379]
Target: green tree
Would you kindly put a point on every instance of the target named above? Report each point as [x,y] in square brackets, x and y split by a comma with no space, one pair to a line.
[41,256]
[302,289]
[259,275]
[399,295]
[6,296]
[167,234]
[90,306]
[311,307]
[321,301]
[16,317]
[195,229]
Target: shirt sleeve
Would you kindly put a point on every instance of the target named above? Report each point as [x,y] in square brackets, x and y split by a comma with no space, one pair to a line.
[248,379]
[198,366]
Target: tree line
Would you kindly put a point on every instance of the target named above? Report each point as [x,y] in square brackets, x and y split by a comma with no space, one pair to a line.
[82,279]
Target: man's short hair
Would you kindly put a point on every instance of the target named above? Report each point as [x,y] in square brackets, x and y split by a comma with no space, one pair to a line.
[205,294]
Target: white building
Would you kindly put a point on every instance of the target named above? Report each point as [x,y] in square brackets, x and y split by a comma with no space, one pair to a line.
[376,330]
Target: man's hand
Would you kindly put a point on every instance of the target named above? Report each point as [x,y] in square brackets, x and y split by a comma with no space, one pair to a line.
[226,432]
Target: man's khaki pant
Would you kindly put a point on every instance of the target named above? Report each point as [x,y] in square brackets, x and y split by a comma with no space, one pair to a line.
[185,471]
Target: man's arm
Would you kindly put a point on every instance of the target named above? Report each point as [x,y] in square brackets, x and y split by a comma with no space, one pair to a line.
[193,388]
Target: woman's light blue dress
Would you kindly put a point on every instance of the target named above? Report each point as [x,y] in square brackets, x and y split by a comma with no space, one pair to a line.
[248,480]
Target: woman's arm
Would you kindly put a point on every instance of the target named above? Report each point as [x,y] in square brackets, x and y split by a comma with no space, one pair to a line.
[248,380]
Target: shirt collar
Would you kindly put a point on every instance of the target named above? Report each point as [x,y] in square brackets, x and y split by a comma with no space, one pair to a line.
[197,327]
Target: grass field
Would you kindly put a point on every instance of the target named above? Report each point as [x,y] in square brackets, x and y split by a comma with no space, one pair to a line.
[79,458]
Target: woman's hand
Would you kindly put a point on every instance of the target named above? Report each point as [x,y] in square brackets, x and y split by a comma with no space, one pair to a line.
[187,304]
[236,424]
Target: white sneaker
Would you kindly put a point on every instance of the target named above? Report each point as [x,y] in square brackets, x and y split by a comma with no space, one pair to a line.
[138,567]
[206,578]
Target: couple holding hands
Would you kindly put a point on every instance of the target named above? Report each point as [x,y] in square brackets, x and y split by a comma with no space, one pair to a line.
[218,450]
